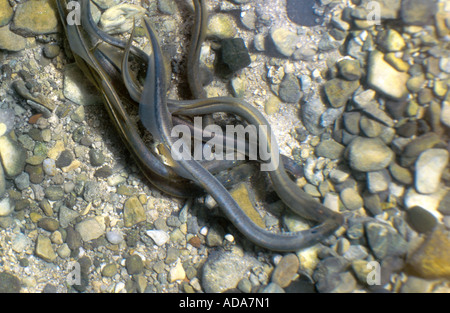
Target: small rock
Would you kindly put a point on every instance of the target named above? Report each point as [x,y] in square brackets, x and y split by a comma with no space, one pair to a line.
[351,199]
[134,264]
[9,283]
[91,228]
[96,157]
[13,156]
[350,69]
[284,40]
[44,249]
[133,212]
[221,26]
[115,237]
[429,202]
[54,193]
[20,243]
[35,18]
[369,154]
[330,149]
[22,181]
[6,207]
[337,283]
[417,285]
[223,271]
[77,89]
[51,51]
[6,12]
[109,270]
[11,41]
[378,181]
[339,91]
[384,240]
[418,12]
[271,288]
[420,219]
[177,272]
[66,216]
[234,56]
[432,259]
[286,270]
[49,224]
[64,159]
[391,41]
[160,237]
[429,168]
[289,91]
[382,77]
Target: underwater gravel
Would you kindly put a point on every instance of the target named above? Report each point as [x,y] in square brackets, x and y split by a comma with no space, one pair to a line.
[365,110]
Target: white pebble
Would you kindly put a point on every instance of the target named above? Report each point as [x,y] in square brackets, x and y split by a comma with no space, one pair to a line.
[160,237]
[115,237]
[229,237]
[204,231]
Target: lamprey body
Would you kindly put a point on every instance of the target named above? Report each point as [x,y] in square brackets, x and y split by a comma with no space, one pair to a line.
[168,170]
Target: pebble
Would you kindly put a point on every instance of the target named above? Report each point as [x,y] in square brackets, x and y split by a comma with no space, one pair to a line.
[66,216]
[44,249]
[35,18]
[289,91]
[12,155]
[351,199]
[350,69]
[432,258]
[20,243]
[429,202]
[418,12]
[337,283]
[160,237]
[6,12]
[51,51]
[177,272]
[115,237]
[49,224]
[9,283]
[330,149]
[120,18]
[378,181]
[369,154]
[302,13]
[339,91]
[384,78]
[224,270]
[417,285]
[11,41]
[77,89]
[284,40]
[90,228]
[234,56]
[64,159]
[286,270]
[22,181]
[221,26]
[134,264]
[384,240]
[6,121]
[429,168]
[6,207]
[271,288]
[420,219]
[109,270]
[133,212]
[311,112]
[96,157]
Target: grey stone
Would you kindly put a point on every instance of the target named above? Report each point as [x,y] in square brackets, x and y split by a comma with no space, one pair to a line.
[418,12]
[44,249]
[284,40]
[289,91]
[223,271]
[369,154]
[429,168]
[384,240]
[66,216]
[9,283]
[13,156]
[91,228]
[6,207]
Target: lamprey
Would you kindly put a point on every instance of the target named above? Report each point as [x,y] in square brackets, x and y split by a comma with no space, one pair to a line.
[166,168]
